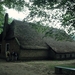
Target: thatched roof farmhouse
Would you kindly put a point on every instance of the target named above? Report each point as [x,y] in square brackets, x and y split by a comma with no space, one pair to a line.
[21,38]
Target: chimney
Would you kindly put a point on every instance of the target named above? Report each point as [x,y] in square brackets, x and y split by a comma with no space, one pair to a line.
[5,25]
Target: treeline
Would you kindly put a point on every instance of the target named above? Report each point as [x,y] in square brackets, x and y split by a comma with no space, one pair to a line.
[55,33]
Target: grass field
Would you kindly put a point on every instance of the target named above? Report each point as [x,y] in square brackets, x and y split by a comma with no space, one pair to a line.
[32,67]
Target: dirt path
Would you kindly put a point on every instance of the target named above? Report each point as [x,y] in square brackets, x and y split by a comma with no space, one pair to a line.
[30,67]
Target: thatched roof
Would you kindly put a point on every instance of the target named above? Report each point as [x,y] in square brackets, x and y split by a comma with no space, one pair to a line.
[27,37]
[60,46]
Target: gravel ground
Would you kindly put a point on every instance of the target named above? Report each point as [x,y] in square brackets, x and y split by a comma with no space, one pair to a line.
[30,67]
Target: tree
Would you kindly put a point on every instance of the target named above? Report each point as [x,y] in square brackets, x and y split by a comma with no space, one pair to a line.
[68,18]
[16,4]
[55,33]
[41,8]
[1,14]
[1,17]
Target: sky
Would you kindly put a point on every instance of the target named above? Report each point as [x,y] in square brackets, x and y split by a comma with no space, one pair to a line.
[21,15]
[16,14]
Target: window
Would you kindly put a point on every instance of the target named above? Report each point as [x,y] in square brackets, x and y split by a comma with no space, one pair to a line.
[0,48]
[58,56]
[63,56]
[7,47]
[68,55]
[73,55]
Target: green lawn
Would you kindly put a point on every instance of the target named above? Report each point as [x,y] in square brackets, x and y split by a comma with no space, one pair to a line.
[68,65]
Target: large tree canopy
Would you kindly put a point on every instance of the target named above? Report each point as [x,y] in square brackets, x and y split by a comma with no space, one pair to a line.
[42,9]
[39,7]
[51,3]
[16,4]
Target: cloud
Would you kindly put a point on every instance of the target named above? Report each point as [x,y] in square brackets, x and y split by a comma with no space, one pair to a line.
[17,15]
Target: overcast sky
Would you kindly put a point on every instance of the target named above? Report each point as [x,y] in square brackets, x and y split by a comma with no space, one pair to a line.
[17,15]
[21,15]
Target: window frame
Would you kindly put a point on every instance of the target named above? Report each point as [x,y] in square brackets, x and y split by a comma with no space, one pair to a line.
[0,48]
[7,47]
